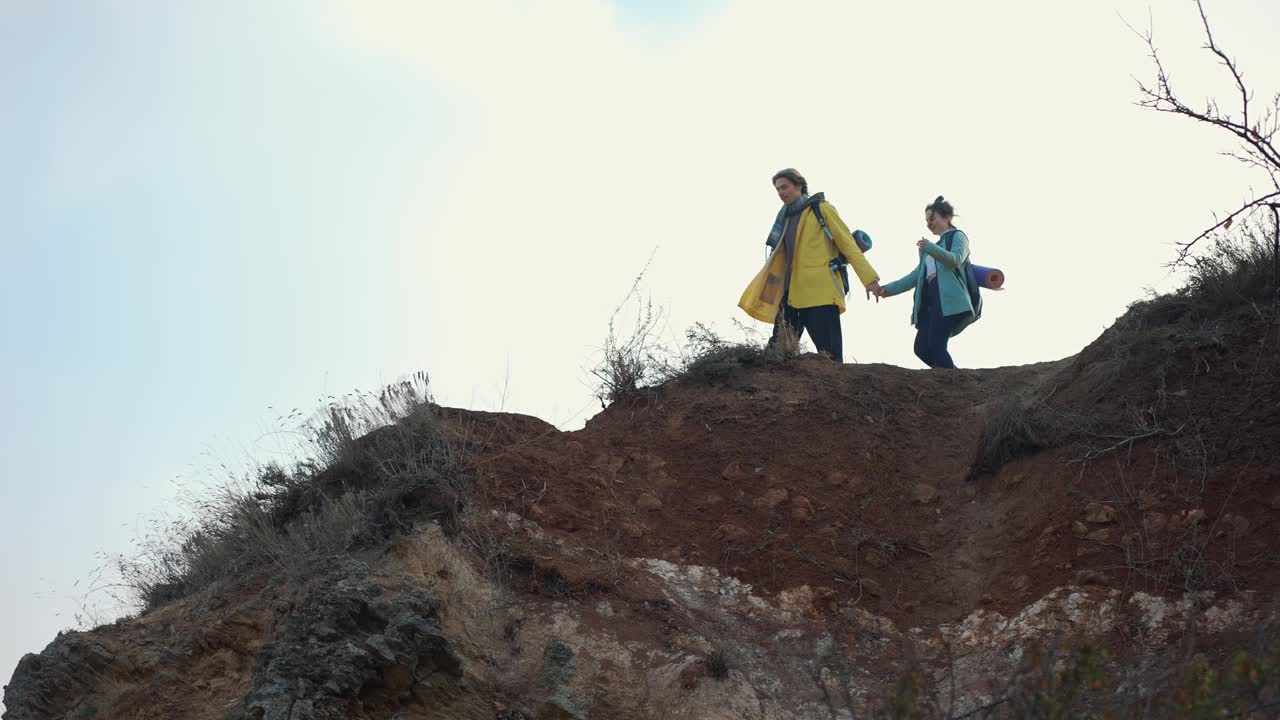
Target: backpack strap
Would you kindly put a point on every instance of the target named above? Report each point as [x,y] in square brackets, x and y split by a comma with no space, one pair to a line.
[831,241]
[821,220]
[947,237]
[838,264]
[967,277]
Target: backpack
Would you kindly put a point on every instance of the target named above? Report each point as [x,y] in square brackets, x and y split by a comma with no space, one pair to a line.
[839,264]
[967,274]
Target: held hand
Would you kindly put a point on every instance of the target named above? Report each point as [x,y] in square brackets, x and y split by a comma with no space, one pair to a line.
[875,289]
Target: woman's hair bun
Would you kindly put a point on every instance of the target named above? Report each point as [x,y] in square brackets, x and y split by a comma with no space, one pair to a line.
[941,206]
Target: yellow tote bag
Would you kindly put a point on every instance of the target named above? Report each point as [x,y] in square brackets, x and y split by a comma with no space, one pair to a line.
[763,296]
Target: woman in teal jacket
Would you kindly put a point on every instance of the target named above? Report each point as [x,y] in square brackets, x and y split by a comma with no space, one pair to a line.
[942,307]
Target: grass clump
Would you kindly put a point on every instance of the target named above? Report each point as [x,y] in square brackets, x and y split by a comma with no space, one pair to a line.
[718,664]
[635,361]
[709,358]
[630,362]
[379,464]
[639,364]
[1238,269]
[1017,427]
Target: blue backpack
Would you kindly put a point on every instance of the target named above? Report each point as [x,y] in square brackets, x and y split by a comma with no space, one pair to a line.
[968,275]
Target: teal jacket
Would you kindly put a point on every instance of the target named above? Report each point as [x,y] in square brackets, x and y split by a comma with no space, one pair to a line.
[951,287]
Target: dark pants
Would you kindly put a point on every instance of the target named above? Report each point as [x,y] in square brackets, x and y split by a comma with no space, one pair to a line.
[933,329]
[823,324]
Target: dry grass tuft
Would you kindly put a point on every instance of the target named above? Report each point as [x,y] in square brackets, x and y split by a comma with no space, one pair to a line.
[380,463]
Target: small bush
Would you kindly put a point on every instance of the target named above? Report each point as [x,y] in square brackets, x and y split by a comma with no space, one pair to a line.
[630,360]
[718,665]
[1136,354]
[240,536]
[1012,431]
[1190,563]
[380,463]
[1017,428]
[634,361]
[638,364]
[709,358]
[631,363]
[1235,270]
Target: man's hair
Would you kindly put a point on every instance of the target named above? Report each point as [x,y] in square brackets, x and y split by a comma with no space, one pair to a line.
[794,176]
[941,207]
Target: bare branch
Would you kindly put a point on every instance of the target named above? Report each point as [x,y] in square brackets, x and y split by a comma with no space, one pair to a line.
[1244,92]
[1252,158]
[1257,147]
[1184,249]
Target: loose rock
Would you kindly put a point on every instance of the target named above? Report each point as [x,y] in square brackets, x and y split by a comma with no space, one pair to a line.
[801,509]
[770,500]
[875,558]
[924,494]
[732,533]
[1154,522]
[1103,535]
[1236,525]
[1099,513]
[647,501]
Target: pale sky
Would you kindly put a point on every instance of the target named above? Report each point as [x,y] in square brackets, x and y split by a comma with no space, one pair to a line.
[213,213]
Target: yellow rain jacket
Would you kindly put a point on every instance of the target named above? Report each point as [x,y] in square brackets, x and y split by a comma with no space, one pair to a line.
[812,282]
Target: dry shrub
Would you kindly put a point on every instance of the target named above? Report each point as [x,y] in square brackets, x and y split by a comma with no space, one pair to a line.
[635,361]
[708,357]
[1191,563]
[1012,431]
[237,535]
[1018,427]
[718,664]
[379,464]
[631,358]
[1227,287]
[639,364]
[1236,270]
[631,361]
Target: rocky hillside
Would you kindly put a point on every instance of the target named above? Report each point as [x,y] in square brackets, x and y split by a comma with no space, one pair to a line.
[784,539]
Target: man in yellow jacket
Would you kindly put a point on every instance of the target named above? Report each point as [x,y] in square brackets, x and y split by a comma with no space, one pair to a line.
[797,285]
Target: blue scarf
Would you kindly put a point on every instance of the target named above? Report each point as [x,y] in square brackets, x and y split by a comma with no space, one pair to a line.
[792,210]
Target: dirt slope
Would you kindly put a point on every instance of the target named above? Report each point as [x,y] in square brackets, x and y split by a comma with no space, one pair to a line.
[851,478]
[866,480]
[782,542]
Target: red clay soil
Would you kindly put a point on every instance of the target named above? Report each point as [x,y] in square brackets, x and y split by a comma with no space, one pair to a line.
[858,480]
[1147,463]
